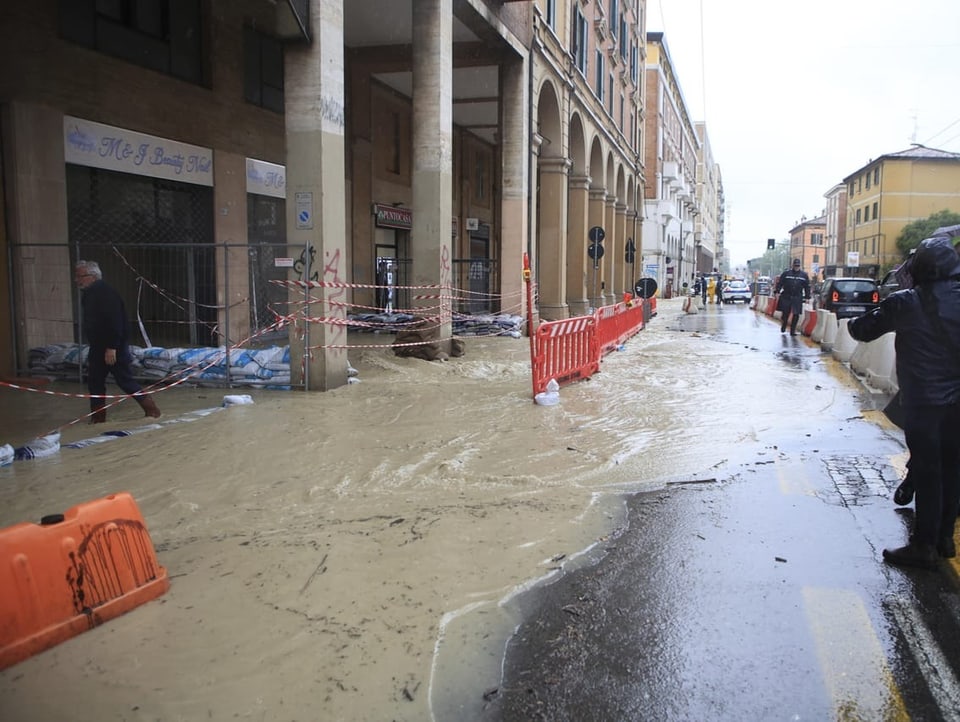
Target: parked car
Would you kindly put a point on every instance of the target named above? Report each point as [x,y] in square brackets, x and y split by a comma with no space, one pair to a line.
[736,291]
[889,284]
[848,297]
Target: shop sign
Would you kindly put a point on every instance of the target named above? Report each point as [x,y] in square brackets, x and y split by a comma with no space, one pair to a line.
[392,217]
[386,216]
[266,179]
[104,146]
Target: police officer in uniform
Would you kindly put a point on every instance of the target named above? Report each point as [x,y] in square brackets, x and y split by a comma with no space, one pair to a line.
[794,288]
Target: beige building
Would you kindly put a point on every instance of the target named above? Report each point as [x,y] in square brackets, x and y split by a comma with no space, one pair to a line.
[887,194]
[836,220]
[709,213]
[671,153]
[808,243]
[588,99]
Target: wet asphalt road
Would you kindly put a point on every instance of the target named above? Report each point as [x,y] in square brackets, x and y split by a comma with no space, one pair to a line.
[758,595]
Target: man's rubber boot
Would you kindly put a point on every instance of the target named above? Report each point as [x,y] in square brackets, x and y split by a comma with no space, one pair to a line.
[914,554]
[148,405]
[904,493]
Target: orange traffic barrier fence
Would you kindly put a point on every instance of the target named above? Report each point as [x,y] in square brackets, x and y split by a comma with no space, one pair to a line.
[565,351]
[72,572]
[617,323]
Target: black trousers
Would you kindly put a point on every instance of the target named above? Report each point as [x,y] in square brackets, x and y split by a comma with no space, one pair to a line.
[97,371]
[790,305]
[931,433]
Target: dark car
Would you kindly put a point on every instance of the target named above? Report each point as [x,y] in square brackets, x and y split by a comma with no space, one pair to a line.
[848,297]
[889,284]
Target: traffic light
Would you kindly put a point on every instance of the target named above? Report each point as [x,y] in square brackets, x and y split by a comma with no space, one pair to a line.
[771,242]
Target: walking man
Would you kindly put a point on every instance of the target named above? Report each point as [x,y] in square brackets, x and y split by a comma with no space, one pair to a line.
[794,288]
[105,329]
[926,320]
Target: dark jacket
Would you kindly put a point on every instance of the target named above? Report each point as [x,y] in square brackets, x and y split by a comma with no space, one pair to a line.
[104,318]
[794,283]
[926,319]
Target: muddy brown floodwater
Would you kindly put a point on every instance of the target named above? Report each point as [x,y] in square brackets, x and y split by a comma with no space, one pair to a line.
[350,554]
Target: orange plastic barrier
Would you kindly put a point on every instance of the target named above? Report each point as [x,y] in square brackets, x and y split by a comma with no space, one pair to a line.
[72,572]
[617,323]
[566,351]
[810,323]
[771,305]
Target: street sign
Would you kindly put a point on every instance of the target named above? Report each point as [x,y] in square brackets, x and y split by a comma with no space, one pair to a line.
[595,251]
[645,288]
[597,234]
[630,251]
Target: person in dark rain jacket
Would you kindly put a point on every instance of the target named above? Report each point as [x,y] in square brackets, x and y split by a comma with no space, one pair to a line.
[105,329]
[794,288]
[926,320]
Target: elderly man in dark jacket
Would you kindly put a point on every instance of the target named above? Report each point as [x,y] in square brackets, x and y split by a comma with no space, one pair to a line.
[926,319]
[105,329]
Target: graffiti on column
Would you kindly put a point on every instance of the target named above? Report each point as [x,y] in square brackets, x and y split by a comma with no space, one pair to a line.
[300,265]
[446,289]
[336,298]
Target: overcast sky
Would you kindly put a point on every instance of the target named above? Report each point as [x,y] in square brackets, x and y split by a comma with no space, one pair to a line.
[798,95]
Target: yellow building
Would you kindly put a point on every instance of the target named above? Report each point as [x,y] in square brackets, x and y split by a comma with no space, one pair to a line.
[890,192]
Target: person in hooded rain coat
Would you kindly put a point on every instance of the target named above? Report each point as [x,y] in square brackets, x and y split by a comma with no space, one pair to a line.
[926,320]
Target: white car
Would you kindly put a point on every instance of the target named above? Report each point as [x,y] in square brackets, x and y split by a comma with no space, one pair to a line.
[736,291]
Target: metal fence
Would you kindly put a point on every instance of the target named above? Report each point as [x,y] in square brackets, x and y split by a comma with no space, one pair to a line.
[188,295]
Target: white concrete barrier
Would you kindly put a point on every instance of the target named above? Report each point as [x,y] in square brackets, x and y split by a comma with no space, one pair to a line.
[817,333]
[844,344]
[829,331]
[882,369]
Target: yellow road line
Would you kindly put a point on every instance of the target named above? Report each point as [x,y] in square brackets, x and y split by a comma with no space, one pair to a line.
[851,657]
[793,479]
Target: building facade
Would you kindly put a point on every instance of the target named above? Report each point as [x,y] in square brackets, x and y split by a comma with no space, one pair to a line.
[836,217]
[890,192]
[671,153]
[208,152]
[808,243]
[709,212]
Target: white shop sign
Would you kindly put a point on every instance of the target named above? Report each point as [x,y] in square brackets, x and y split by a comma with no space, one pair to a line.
[104,146]
[266,179]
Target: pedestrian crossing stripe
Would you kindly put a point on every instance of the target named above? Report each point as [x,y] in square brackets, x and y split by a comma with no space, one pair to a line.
[851,658]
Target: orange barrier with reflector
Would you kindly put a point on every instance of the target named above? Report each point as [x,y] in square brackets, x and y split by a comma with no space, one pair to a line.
[72,572]
[565,350]
[617,323]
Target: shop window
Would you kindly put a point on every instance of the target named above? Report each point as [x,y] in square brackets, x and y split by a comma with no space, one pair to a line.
[262,70]
[163,35]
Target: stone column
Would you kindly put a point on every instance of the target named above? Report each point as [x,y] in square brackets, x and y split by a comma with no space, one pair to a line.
[230,232]
[597,217]
[553,237]
[579,265]
[316,200]
[613,247]
[516,151]
[36,194]
[620,264]
[431,239]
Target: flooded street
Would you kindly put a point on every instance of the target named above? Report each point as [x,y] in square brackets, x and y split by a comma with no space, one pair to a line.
[347,555]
